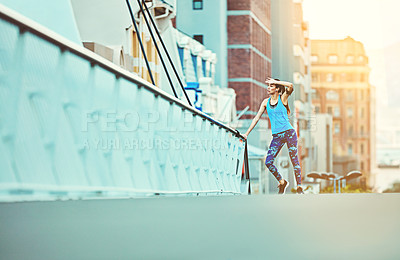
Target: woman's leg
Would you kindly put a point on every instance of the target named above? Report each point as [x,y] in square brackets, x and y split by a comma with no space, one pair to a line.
[291,139]
[273,150]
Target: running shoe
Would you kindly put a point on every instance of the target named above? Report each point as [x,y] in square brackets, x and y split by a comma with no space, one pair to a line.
[282,187]
[300,190]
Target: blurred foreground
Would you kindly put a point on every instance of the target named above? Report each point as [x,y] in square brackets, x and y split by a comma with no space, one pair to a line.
[346,226]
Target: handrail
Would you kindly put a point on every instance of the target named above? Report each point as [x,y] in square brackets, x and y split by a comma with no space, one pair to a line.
[140,42]
[157,49]
[165,50]
[26,24]
[163,1]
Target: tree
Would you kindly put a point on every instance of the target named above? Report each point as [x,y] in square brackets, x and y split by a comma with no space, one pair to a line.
[350,188]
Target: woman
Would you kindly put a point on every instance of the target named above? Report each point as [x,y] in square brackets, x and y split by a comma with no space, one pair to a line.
[282,131]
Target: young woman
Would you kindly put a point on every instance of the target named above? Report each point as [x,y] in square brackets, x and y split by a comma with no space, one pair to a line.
[282,131]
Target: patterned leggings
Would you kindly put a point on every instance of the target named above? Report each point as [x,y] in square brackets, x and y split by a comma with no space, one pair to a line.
[278,140]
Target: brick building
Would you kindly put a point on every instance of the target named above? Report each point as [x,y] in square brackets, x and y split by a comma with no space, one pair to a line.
[249,51]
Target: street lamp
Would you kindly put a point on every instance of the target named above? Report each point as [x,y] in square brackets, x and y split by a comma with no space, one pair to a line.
[350,176]
[314,175]
[334,177]
[343,179]
[322,175]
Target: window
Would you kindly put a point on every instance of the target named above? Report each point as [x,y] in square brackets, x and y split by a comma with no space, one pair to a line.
[337,128]
[314,58]
[315,94]
[362,166]
[317,109]
[362,130]
[362,148]
[350,149]
[361,59]
[361,95]
[350,130]
[362,77]
[350,77]
[350,112]
[298,51]
[349,95]
[314,77]
[362,112]
[329,77]
[332,95]
[198,37]
[343,76]
[330,110]
[332,59]
[197,4]
[336,111]
[350,59]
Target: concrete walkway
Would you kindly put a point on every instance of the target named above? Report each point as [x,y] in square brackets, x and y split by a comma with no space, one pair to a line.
[346,226]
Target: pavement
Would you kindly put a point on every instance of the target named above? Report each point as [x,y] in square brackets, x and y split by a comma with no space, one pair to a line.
[325,226]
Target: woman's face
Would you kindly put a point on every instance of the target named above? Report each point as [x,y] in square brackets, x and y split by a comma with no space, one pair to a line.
[272,89]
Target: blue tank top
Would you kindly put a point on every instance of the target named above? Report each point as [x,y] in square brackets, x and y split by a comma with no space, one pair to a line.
[278,117]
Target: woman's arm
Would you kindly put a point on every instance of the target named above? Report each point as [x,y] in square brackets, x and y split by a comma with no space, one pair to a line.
[258,116]
[288,87]
[287,93]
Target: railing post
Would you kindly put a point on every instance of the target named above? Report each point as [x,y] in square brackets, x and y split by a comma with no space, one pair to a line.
[334,185]
[246,166]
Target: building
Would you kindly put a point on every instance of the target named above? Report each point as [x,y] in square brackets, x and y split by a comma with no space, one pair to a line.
[239,32]
[113,34]
[195,64]
[193,19]
[340,77]
[199,70]
[249,51]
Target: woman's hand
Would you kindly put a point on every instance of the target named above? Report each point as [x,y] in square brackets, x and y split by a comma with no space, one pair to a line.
[245,136]
[271,81]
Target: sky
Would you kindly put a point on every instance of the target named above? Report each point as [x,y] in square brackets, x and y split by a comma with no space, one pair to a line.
[375,23]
